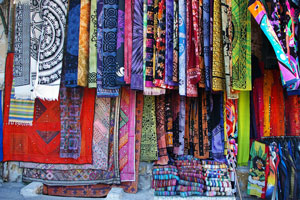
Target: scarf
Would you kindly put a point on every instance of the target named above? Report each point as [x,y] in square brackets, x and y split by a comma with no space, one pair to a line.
[163,158]
[137,47]
[92,72]
[83,49]
[129,5]
[51,53]
[101,92]
[120,43]
[218,74]
[127,135]
[182,47]
[206,43]
[175,42]
[70,106]
[244,128]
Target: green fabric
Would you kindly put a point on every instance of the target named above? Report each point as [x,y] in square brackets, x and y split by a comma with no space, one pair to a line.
[92,76]
[243,128]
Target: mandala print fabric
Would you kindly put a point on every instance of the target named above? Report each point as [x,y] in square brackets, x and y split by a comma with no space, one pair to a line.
[51,53]
[120,43]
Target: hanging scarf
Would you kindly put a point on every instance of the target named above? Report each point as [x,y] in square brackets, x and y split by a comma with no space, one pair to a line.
[129,5]
[92,73]
[72,49]
[169,124]
[22,68]
[176,110]
[127,134]
[201,46]
[244,128]
[181,125]
[137,47]
[206,45]
[83,49]
[163,158]
[218,74]
[175,43]
[227,46]
[182,47]
[51,53]
[120,43]
[149,137]
[101,92]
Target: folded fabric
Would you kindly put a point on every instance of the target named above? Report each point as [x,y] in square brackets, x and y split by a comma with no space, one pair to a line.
[164,193]
[183,188]
[164,173]
[163,183]
[195,168]
[189,183]
[165,167]
[191,179]
[190,193]
[218,189]
[214,193]
[165,177]
[190,174]
[168,188]
[218,183]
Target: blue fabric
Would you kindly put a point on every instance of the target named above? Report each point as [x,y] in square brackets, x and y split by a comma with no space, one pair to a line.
[182,47]
[206,30]
[71,56]
[1,129]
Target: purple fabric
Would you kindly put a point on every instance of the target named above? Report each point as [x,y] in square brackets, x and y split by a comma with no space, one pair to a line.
[120,43]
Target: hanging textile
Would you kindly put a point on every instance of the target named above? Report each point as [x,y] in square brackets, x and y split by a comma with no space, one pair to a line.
[163,158]
[92,70]
[243,128]
[100,142]
[129,5]
[38,143]
[267,92]
[83,49]
[72,49]
[137,47]
[175,110]
[182,47]
[200,43]
[1,130]
[101,92]
[120,43]
[206,43]
[4,46]
[218,73]
[181,125]
[51,53]
[88,176]
[169,124]
[149,138]
[22,68]
[127,134]
[292,114]
[175,43]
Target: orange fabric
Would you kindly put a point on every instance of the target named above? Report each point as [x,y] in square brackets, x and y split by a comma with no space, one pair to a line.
[40,142]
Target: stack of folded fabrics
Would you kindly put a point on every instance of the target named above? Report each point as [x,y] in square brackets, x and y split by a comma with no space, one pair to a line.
[216,178]
[165,180]
[191,177]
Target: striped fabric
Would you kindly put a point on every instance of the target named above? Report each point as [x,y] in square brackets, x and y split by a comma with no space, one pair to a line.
[164,193]
[183,188]
[169,188]
[190,193]
[20,111]
[165,177]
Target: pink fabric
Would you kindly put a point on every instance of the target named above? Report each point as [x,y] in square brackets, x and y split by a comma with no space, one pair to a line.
[128,40]
[127,135]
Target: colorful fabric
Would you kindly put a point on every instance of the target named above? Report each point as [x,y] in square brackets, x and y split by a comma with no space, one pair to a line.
[163,183]
[137,47]
[257,174]
[40,142]
[127,135]
[4,46]
[70,107]
[22,68]
[165,193]
[165,177]
[169,188]
[175,104]
[83,49]
[181,125]
[169,123]
[92,71]
[129,6]
[181,188]
[188,183]
[190,193]
[206,44]
[72,44]
[182,47]
[175,42]
[1,130]
[149,137]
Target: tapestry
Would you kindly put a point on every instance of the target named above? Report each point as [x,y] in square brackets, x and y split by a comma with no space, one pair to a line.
[83,49]
[163,158]
[70,112]
[51,53]
[22,69]
[72,44]
[149,136]
[127,134]
[120,43]
[88,176]
[182,47]
[92,71]
[257,174]
[218,73]
[129,5]
[40,142]
[101,92]
[100,142]
[137,47]
[206,43]
[175,72]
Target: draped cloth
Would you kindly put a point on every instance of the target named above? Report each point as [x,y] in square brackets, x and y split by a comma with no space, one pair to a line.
[128,40]
[175,43]
[206,43]
[244,128]
[127,135]
[83,49]
[137,47]
[149,136]
[4,47]
[70,107]
[39,142]
[51,53]
[181,125]
[120,43]
[92,70]
[72,49]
